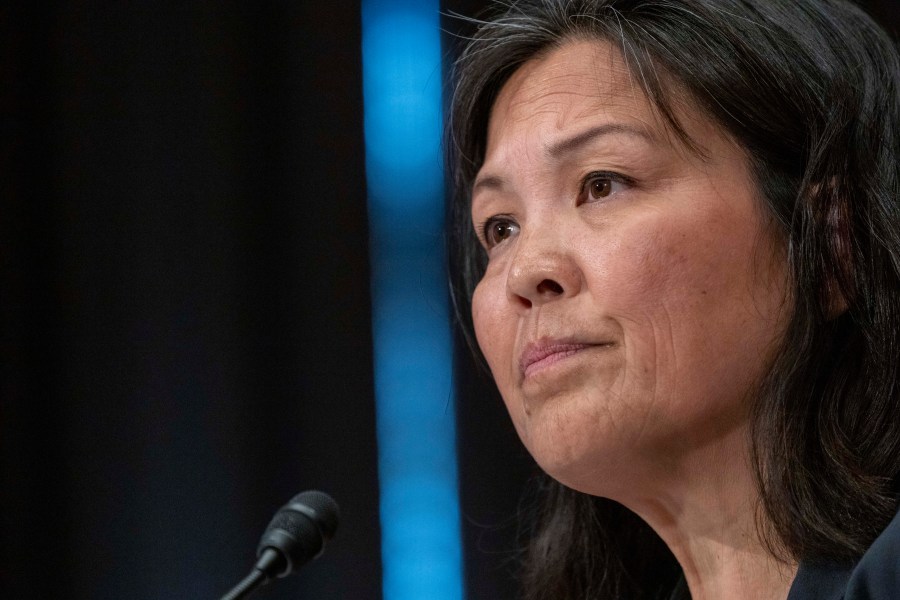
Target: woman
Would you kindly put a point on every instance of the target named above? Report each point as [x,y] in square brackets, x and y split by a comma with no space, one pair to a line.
[678,231]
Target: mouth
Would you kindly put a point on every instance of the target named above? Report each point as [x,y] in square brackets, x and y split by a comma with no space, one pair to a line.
[545,353]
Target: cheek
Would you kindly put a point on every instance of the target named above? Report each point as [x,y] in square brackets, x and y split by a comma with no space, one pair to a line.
[700,310]
[664,277]
[493,330]
[635,282]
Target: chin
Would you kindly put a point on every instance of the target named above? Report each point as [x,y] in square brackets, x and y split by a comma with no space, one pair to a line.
[592,471]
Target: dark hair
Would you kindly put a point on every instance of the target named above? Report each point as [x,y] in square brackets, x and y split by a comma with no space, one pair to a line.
[809,88]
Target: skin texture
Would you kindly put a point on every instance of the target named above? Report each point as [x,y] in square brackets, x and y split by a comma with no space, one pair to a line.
[634,294]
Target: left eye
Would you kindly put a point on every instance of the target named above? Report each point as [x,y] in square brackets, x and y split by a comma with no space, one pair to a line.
[600,186]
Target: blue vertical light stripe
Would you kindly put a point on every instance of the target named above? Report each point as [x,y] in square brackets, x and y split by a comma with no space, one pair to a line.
[421,550]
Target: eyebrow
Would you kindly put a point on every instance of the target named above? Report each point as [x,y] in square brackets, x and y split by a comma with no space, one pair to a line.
[571,144]
[568,145]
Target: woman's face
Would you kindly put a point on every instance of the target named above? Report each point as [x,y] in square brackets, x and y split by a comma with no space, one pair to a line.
[634,291]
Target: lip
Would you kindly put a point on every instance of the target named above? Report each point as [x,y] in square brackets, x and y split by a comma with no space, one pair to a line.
[545,352]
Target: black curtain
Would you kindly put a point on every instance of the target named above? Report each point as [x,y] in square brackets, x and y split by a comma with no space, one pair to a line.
[185,339]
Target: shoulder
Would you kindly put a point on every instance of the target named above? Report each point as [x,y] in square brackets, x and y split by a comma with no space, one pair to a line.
[875,577]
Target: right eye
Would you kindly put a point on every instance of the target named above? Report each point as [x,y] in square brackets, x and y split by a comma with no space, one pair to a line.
[498,229]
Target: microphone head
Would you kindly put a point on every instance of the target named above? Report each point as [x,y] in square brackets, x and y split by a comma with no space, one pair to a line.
[299,530]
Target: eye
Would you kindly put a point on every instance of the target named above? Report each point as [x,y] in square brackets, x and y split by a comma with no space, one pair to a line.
[497,229]
[599,186]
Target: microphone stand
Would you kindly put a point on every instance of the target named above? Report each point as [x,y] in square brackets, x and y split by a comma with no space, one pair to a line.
[269,561]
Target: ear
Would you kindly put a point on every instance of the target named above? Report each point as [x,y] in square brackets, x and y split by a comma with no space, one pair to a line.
[838,263]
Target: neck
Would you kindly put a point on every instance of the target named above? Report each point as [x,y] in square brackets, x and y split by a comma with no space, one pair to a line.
[705,510]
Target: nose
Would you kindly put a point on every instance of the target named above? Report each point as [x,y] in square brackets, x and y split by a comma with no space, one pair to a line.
[541,271]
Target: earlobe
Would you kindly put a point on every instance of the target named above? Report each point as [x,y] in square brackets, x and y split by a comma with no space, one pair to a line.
[839,255]
[837,302]
[823,249]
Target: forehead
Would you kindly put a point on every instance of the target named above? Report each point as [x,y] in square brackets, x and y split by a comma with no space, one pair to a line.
[585,83]
[577,82]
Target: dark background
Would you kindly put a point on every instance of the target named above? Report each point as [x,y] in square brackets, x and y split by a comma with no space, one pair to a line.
[185,337]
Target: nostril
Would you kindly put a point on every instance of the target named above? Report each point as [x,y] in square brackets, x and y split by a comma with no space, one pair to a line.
[548,286]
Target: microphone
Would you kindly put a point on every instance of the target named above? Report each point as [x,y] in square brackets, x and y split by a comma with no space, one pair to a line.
[296,535]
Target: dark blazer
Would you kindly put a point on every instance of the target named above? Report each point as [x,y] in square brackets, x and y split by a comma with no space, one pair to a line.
[875,577]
